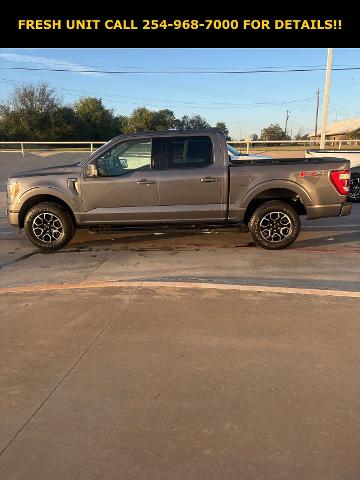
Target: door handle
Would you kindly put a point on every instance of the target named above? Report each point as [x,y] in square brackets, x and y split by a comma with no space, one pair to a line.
[209,179]
[144,181]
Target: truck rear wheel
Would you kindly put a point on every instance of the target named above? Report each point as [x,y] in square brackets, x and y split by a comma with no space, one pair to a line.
[49,226]
[274,225]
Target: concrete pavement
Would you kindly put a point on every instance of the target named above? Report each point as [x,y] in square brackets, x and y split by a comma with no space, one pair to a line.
[110,370]
[324,256]
[140,383]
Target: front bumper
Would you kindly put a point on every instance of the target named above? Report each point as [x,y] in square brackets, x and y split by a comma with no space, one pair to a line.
[322,211]
[13,217]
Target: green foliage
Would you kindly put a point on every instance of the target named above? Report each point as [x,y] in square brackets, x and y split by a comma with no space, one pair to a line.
[274,132]
[196,122]
[221,126]
[36,112]
[94,120]
[30,113]
[353,135]
[145,120]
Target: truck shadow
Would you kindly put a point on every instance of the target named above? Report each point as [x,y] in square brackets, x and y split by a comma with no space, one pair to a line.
[329,240]
[198,239]
[113,239]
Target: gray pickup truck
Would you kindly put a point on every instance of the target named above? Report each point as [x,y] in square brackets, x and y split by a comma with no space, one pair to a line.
[176,179]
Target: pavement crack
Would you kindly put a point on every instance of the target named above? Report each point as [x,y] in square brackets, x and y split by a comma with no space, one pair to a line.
[92,270]
[71,369]
[19,259]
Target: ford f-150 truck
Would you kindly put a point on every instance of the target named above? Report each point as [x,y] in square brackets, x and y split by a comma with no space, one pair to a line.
[176,179]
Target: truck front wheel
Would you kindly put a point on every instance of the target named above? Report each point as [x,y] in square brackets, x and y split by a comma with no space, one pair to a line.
[274,225]
[49,226]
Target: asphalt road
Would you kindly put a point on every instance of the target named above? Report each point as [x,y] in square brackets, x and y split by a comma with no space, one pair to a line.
[13,162]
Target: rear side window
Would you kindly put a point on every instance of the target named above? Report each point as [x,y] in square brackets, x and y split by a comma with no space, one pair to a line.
[189,152]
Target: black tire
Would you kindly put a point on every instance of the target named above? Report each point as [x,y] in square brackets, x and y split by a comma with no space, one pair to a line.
[282,221]
[49,226]
[354,192]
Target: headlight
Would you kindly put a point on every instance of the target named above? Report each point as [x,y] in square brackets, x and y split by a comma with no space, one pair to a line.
[12,189]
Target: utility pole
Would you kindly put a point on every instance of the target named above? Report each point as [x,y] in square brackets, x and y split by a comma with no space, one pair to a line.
[317,111]
[287,119]
[326,98]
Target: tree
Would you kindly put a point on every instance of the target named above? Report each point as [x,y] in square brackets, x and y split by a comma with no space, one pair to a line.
[355,135]
[163,120]
[274,132]
[221,126]
[96,122]
[64,125]
[142,119]
[301,136]
[30,113]
[36,112]
[196,122]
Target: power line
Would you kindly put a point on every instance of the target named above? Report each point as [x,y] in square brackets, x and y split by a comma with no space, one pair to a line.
[69,64]
[180,72]
[345,108]
[221,105]
[72,66]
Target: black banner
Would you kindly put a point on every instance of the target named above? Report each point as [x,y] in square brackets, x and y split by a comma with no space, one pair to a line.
[39,27]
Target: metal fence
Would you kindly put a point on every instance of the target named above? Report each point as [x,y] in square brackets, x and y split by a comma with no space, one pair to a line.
[288,144]
[22,146]
[253,145]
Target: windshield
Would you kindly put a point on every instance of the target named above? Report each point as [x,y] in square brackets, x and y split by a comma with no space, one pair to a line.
[84,160]
[233,150]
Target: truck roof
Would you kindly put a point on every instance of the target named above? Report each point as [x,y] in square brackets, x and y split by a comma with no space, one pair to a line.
[173,133]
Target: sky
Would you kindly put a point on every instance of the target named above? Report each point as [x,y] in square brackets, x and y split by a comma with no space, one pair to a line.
[245,102]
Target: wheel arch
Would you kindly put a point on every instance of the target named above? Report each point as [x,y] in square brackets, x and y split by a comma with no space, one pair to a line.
[288,192]
[43,198]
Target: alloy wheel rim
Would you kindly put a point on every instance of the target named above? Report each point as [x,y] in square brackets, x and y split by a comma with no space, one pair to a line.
[354,191]
[275,227]
[47,227]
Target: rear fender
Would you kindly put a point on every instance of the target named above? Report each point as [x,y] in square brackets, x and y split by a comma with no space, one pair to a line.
[278,184]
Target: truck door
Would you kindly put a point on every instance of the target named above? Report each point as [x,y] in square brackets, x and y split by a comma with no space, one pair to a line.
[192,181]
[126,187]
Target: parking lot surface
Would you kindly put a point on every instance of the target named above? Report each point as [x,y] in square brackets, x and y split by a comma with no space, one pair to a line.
[324,256]
[143,383]
[185,355]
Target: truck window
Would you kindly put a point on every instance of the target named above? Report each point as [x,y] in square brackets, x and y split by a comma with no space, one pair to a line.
[189,152]
[125,157]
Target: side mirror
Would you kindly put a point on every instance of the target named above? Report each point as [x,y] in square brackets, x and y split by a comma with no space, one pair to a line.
[123,162]
[91,171]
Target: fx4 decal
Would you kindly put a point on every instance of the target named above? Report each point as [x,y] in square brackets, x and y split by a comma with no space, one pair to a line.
[313,173]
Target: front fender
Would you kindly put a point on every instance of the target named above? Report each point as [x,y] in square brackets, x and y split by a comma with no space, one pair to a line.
[52,191]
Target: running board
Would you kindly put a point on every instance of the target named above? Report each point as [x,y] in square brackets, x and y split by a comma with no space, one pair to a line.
[167,228]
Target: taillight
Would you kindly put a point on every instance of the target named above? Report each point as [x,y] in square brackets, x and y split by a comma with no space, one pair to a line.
[341,179]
